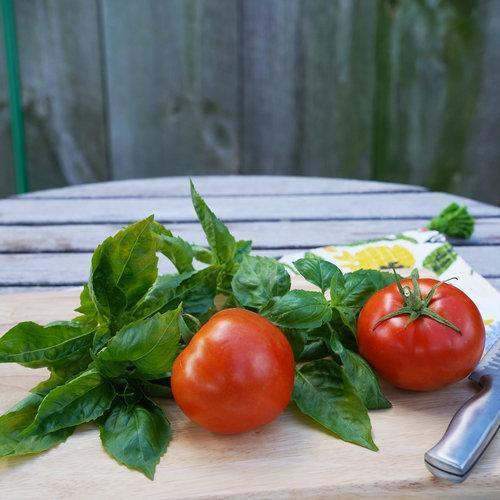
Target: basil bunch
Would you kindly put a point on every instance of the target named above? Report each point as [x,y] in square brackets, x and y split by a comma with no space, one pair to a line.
[109,361]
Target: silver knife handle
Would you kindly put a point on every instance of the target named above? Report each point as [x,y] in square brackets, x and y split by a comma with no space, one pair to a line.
[469,433]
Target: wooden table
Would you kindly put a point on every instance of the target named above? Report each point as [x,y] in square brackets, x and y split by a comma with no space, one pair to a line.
[46,237]
[46,241]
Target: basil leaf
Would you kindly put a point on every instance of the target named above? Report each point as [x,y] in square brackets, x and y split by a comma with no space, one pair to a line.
[197,293]
[34,346]
[349,294]
[13,437]
[259,279]
[163,291]
[178,251]
[297,339]
[298,309]
[87,307]
[243,247]
[220,240]
[312,255]
[62,374]
[124,267]
[80,400]
[202,254]
[361,376]
[323,392]
[317,271]
[157,388]
[136,436]
[150,346]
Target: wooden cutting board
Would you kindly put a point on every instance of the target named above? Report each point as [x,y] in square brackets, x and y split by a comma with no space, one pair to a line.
[291,457]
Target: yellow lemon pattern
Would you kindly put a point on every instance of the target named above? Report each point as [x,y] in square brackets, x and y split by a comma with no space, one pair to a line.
[374,257]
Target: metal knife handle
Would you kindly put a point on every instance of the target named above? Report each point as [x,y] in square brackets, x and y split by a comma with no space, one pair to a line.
[469,433]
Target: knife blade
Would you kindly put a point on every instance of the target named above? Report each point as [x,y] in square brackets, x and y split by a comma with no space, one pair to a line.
[473,426]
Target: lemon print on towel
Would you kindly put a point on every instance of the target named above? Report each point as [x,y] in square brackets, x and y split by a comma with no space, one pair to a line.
[374,257]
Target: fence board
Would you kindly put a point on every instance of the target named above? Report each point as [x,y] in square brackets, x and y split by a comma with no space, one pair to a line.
[404,91]
[430,63]
[482,170]
[172,79]
[62,92]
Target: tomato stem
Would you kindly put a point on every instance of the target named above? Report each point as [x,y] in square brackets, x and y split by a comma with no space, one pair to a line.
[415,306]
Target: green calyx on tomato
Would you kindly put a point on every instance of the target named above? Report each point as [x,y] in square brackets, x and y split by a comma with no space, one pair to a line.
[414,305]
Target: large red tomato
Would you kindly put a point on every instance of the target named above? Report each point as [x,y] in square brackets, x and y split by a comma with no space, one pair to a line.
[236,373]
[424,354]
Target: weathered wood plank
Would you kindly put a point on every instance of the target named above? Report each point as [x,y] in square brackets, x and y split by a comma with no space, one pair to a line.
[172,86]
[482,155]
[226,185]
[236,208]
[307,86]
[73,268]
[60,63]
[337,78]
[435,79]
[285,234]
[269,52]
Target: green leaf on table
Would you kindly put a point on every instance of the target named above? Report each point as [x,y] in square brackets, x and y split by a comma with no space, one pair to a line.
[175,249]
[124,267]
[149,346]
[197,293]
[361,376]
[298,309]
[350,292]
[163,291]
[159,388]
[195,289]
[243,248]
[87,307]
[317,271]
[258,280]
[203,254]
[13,437]
[35,346]
[62,374]
[315,344]
[136,435]
[323,392]
[80,400]
[220,240]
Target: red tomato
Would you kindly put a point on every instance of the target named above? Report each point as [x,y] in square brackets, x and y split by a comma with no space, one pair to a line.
[426,354]
[236,373]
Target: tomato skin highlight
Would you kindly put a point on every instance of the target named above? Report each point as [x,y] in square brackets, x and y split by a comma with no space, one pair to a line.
[236,373]
[426,355]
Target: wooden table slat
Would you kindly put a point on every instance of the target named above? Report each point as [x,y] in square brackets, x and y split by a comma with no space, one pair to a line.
[73,268]
[233,208]
[217,186]
[284,234]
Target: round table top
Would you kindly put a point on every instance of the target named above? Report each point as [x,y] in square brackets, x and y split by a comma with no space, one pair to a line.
[47,237]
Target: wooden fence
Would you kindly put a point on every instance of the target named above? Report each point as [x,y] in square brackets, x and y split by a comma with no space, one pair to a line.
[401,90]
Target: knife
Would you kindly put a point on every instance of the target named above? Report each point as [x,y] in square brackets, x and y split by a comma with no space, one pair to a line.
[473,426]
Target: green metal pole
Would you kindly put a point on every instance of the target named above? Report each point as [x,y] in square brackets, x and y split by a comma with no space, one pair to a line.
[16,109]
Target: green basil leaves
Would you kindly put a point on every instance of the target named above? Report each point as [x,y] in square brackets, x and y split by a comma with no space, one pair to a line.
[107,362]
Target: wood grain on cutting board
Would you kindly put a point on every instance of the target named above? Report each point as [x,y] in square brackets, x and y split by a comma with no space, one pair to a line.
[291,457]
